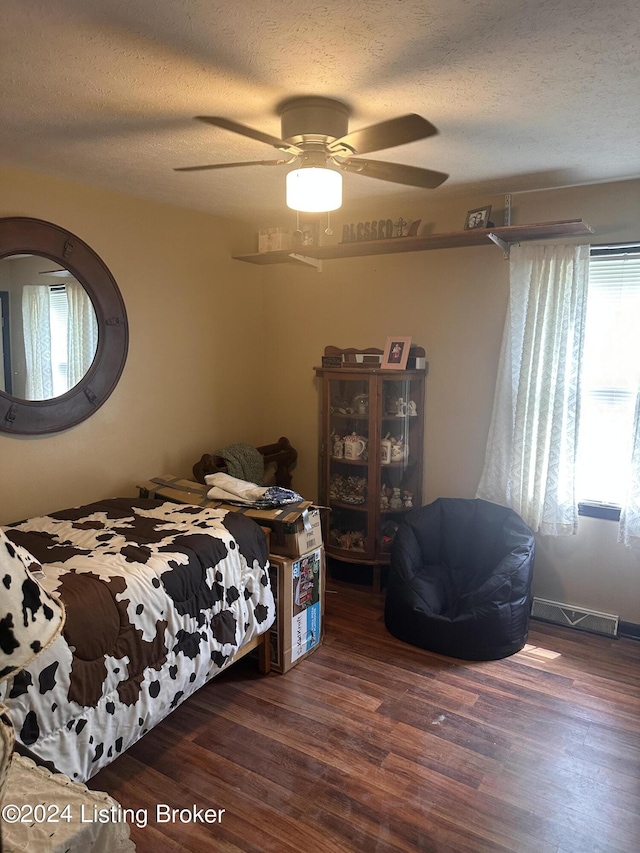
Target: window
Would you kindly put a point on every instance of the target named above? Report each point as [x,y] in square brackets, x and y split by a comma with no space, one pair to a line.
[610,377]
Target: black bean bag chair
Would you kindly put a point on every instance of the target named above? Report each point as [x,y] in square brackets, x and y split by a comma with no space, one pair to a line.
[460,579]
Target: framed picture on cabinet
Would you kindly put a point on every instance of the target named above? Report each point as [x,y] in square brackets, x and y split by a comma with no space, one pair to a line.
[396,353]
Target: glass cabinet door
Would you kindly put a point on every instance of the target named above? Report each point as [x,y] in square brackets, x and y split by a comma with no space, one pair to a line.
[348,474]
[371,452]
[400,459]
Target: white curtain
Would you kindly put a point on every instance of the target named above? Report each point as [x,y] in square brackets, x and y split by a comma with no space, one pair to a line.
[37,342]
[531,449]
[82,333]
[629,529]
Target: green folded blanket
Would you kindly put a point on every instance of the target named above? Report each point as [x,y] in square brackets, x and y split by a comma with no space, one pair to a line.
[244,462]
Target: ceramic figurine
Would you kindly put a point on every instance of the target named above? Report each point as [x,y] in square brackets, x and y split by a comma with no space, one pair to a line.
[398,451]
[407,499]
[396,500]
[357,541]
[360,404]
[412,409]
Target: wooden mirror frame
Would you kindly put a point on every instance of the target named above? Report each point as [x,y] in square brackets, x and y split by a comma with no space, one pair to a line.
[22,235]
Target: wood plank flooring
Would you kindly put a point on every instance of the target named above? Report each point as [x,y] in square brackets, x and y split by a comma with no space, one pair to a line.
[372,745]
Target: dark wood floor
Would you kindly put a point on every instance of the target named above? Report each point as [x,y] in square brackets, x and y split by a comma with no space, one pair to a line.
[373,745]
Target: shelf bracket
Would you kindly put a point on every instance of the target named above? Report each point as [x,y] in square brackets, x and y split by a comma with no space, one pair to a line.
[305,259]
[507,209]
[500,242]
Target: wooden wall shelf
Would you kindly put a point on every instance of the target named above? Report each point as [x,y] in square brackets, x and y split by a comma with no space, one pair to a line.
[506,236]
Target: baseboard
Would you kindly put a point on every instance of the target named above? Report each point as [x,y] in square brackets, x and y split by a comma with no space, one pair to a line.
[629,630]
[626,630]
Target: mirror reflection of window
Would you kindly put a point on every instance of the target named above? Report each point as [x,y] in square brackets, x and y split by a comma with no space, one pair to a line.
[5,346]
[60,337]
[36,327]
[82,333]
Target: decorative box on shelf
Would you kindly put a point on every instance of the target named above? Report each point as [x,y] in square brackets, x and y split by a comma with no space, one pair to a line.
[274,239]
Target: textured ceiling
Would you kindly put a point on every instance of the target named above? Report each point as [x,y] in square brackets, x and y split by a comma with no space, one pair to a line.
[526,95]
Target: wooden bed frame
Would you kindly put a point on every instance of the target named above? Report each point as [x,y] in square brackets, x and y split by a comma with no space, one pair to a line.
[263,643]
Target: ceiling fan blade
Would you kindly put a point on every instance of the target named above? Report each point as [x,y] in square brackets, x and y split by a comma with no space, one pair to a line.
[386,134]
[397,173]
[243,130]
[230,165]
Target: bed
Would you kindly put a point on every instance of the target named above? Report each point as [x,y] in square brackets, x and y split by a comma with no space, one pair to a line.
[160,597]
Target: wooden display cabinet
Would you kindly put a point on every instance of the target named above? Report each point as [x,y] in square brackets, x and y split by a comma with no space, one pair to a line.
[371,453]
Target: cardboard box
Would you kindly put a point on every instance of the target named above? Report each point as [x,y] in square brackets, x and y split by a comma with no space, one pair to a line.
[295,528]
[298,536]
[274,239]
[298,588]
[174,489]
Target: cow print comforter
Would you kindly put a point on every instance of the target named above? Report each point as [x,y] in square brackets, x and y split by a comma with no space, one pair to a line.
[159,597]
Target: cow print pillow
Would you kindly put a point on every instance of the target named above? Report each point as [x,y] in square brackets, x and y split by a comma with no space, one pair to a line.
[29,617]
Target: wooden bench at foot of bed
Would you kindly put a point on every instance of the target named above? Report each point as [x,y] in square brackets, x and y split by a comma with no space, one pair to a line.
[280,454]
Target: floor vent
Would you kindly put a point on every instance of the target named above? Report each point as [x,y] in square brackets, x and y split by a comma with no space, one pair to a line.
[575,617]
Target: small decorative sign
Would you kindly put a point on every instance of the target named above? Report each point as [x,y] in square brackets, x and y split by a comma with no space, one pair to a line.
[332,361]
[379,229]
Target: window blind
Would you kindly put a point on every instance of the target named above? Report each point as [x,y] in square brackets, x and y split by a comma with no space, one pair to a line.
[58,313]
[610,373]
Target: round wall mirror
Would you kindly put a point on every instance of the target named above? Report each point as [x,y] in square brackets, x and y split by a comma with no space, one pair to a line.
[64,328]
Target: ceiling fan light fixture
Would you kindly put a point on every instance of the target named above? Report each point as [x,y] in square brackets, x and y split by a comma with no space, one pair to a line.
[314,189]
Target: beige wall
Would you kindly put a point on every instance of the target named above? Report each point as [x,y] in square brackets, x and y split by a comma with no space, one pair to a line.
[452,302]
[223,351]
[190,383]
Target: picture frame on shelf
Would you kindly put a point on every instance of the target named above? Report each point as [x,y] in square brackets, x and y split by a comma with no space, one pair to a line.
[478,218]
[396,353]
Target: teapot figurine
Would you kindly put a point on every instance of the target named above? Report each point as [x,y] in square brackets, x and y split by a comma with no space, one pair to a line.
[354,446]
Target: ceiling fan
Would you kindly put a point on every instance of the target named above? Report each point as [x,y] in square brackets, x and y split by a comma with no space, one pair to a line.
[315,135]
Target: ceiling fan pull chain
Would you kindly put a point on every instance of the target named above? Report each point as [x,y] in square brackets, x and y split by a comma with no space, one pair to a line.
[328,230]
